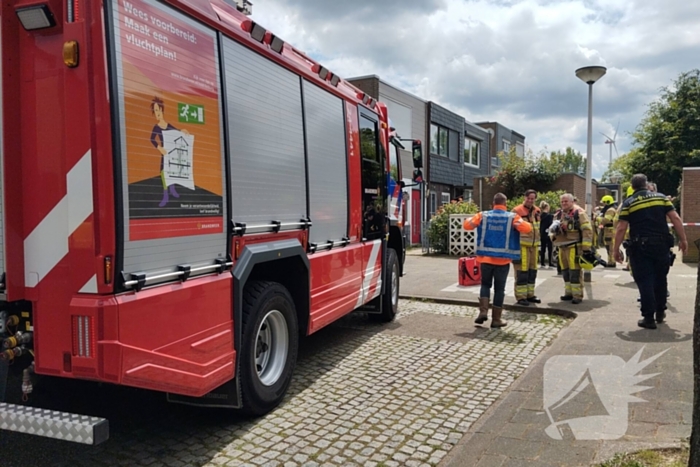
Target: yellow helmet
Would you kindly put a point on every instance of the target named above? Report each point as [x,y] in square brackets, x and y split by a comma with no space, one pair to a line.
[630,191]
[607,199]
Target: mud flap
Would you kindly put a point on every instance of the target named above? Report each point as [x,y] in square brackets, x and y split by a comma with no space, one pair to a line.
[228,396]
[373,307]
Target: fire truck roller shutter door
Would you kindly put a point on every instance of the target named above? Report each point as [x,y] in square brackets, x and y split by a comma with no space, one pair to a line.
[190,229]
[266,138]
[327,161]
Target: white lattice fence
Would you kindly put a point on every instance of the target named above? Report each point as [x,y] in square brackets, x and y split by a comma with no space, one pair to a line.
[462,242]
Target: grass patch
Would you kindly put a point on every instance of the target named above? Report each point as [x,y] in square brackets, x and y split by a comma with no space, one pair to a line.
[651,458]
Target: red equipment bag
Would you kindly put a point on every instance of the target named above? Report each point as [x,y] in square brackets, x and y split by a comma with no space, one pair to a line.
[469,271]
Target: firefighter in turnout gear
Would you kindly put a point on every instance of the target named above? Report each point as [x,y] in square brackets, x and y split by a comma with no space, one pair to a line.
[571,231]
[606,220]
[526,268]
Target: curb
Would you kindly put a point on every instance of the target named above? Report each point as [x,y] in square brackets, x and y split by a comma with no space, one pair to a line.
[523,309]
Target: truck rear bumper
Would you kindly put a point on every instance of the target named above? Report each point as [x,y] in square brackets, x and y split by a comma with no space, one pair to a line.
[52,424]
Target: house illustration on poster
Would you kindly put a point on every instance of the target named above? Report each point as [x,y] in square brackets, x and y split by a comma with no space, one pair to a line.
[180,160]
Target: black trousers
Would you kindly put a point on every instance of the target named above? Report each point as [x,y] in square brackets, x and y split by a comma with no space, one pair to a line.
[545,244]
[650,265]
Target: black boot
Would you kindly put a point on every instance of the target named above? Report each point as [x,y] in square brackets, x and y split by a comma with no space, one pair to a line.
[534,300]
[645,323]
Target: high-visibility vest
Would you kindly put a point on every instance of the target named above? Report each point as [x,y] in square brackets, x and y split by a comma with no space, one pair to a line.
[497,237]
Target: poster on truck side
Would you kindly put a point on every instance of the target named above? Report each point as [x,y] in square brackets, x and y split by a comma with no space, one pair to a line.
[170,121]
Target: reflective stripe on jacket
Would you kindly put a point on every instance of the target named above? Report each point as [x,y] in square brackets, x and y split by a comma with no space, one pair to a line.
[531,215]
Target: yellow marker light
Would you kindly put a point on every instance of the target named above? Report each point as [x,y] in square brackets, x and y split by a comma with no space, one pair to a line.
[108,270]
[70,54]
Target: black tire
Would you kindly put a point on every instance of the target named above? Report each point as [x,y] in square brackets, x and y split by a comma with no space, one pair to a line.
[265,381]
[391,279]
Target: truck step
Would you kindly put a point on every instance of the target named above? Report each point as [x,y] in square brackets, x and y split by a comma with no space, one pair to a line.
[52,424]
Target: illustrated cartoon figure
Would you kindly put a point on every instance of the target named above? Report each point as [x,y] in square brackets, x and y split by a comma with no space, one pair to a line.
[158,111]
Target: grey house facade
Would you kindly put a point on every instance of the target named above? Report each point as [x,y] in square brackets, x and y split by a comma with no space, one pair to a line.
[502,140]
[477,156]
[408,115]
[458,152]
[444,149]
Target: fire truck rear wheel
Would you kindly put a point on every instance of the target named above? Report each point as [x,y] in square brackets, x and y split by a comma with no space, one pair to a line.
[390,299]
[269,345]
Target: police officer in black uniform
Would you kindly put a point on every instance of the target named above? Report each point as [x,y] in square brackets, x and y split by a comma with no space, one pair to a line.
[645,212]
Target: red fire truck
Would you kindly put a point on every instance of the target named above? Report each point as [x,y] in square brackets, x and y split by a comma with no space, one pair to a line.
[184,195]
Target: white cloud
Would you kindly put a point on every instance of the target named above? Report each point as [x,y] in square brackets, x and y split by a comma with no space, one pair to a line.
[511,61]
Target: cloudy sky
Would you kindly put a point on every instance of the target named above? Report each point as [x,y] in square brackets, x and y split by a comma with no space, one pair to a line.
[510,61]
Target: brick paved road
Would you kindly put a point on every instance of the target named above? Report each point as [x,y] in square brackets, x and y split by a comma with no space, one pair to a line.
[363,394]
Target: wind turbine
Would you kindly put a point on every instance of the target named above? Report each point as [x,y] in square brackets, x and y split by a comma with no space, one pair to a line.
[611,142]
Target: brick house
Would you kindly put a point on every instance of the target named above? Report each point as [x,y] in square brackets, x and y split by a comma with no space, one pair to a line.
[569,182]
[690,210]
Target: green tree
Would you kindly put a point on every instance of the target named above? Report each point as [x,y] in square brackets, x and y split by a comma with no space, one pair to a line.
[518,174]
[668,138]
[551,197]
[622,166]
[569,161]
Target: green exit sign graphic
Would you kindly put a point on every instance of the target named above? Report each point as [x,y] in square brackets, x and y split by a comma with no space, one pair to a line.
[190,113]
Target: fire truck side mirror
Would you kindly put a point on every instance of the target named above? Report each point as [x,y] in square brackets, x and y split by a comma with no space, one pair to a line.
[417,154]
[417,176]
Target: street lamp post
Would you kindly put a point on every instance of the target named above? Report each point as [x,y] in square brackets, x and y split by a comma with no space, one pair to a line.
[589,75]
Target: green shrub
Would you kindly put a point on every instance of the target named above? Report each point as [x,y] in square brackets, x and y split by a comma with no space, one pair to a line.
[551,197]
[439,230]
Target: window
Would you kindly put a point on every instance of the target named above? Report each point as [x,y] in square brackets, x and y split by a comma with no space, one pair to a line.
[453,146]
[433,203]
[438,140]
[468,196]
[472,152]
[519,149]
[506,145]
[368,140]
[444,198]
[373,179]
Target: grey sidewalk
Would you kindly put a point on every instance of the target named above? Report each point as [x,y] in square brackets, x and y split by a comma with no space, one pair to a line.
[512,432]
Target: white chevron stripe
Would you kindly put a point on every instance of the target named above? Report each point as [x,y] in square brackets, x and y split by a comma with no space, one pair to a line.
[369,273]
[90,286]
[48,242]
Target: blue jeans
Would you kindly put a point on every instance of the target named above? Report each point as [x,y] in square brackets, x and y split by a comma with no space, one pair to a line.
[493,274]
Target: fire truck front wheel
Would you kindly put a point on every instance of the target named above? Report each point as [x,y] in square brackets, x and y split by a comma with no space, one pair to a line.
[390,299]
[269,345]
